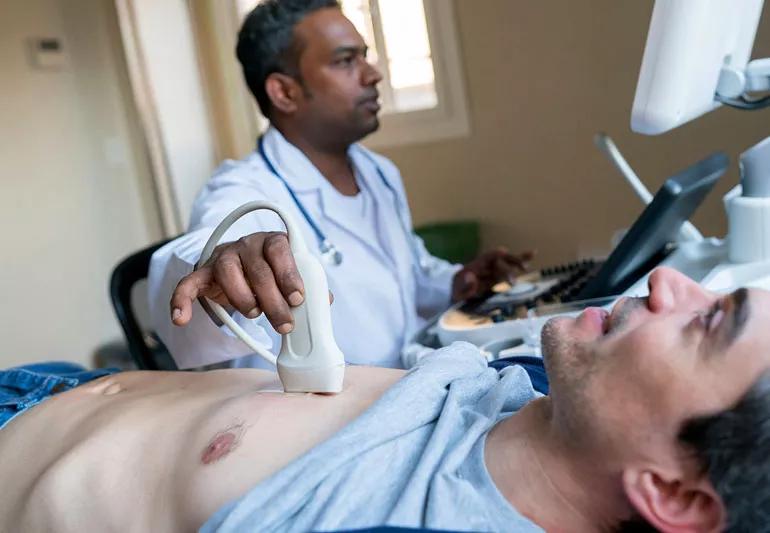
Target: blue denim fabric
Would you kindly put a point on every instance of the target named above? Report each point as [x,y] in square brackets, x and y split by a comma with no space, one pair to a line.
[22,387]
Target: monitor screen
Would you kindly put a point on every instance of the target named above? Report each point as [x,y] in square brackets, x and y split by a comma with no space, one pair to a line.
[688,43]
[658,225]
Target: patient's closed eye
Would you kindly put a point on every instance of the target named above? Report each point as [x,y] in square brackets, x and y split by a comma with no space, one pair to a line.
[714,316]
[728,315]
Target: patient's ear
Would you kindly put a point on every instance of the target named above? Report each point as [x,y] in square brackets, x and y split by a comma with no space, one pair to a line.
[283,91]
[672,504]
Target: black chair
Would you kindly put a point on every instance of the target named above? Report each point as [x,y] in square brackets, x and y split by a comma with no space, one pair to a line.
[146,349]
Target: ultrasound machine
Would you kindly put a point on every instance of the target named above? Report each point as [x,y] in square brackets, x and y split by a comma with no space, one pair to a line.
[696,59]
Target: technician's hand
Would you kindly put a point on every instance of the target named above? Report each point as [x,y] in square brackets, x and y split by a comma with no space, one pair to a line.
[493,266]
[254,274]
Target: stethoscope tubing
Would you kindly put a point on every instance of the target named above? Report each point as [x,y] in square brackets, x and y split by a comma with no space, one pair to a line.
[325,245]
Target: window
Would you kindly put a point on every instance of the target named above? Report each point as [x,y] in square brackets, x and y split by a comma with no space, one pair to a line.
[413,43]
[401,50]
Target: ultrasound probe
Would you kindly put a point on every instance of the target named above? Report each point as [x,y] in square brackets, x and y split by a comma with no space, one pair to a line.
[309,360]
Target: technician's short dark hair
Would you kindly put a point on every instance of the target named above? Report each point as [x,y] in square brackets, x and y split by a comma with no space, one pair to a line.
[266,42]
[733,448]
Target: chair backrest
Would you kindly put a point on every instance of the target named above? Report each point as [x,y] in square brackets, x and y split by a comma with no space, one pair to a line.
[145,348]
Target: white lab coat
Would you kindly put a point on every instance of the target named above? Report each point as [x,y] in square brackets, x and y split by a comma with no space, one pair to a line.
[381,297]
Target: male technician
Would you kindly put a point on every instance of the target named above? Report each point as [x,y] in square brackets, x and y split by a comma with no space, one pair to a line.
[306,65]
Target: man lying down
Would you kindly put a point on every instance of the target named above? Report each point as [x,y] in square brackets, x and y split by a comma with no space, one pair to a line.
[659,413]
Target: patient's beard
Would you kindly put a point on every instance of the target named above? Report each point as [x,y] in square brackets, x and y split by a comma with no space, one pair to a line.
[571,367]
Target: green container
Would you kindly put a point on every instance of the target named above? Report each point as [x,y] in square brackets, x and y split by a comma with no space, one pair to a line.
[456,241]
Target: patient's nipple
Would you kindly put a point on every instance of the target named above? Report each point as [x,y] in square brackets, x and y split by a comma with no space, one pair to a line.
[105,387]
[218,448]
[222,444]
[112,388]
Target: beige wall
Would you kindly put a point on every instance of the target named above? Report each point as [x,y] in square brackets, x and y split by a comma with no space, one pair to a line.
[542,78]
[76,193]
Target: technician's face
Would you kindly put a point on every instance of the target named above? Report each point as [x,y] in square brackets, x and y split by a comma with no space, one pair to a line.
[632,377]
[340,84]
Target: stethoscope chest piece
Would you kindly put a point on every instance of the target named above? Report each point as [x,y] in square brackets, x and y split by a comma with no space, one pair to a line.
[330,254]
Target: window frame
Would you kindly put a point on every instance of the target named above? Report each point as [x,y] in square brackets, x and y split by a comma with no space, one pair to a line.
[450,118]
[240,121]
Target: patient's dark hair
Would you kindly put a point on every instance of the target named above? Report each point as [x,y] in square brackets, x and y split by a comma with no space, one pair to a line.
[266,42]
[733,449]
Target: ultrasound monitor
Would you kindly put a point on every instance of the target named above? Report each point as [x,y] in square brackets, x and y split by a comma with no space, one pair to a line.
[689,45]
[644,245]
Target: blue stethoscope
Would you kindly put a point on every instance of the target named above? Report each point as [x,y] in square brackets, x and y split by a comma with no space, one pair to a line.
[329,252]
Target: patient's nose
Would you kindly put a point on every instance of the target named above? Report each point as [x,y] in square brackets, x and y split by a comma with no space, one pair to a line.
[671,290]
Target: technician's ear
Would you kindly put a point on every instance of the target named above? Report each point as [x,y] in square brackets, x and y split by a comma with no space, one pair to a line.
[671,504]
[283,92]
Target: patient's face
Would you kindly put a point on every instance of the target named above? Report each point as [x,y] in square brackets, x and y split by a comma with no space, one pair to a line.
[631,377]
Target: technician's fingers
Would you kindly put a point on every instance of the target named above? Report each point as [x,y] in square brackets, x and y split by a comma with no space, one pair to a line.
[502,265]
[502,269]
[271,301]
[277,253]
[519,261]
[185,293]
[229,276]
[254,274]
[465,285]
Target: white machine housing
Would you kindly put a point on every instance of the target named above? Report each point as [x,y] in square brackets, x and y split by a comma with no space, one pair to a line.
[696,52]
[689,45]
